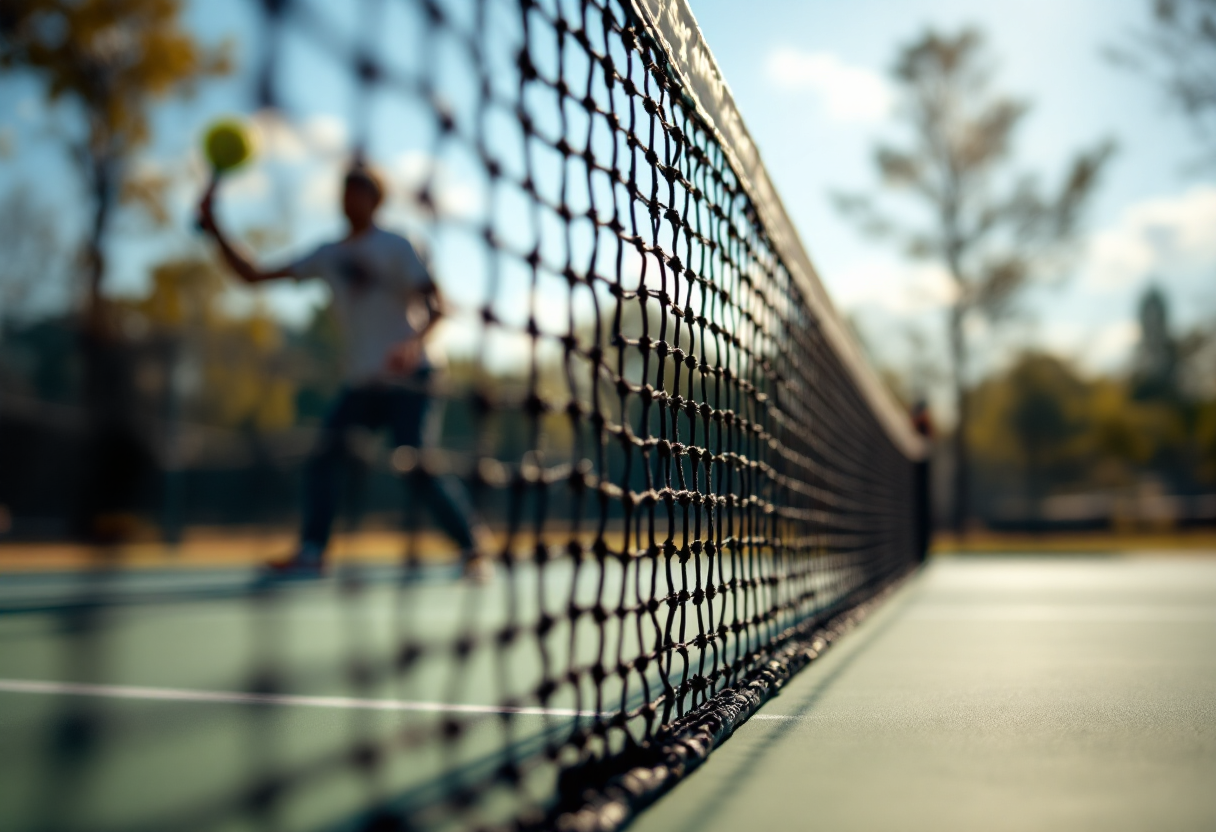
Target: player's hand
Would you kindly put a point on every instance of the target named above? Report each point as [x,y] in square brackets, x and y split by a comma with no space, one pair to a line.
[206,209]
[404,358]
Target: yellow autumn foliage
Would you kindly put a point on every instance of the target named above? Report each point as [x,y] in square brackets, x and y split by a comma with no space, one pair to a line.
[242,374]
[1042,416]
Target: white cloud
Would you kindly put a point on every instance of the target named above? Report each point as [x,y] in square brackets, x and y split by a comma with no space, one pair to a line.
[280,140]
[1096,348]
[894,286]
[1110,346]
[321,190]
[326,134]
[453,196]
[276,138]
[847,93]
[1164,236]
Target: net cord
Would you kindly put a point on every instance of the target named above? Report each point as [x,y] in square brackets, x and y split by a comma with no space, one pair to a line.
[674,28]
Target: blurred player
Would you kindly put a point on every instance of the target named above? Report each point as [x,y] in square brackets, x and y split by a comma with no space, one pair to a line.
[386,304]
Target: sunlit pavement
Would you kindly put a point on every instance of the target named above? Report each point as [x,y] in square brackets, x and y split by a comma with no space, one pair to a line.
[990,694]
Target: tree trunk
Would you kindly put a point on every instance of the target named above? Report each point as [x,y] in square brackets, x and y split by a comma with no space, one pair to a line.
[961,484]
[98,363]
[101,171]
[116,460]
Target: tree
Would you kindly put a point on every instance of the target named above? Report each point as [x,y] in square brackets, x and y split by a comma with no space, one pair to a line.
[1180,49]
[114,59]
[1045,417]
[244,374]
[1155,364]
[992,228]
[1042,423]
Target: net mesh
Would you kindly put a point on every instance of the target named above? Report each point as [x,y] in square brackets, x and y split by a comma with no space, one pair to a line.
[686,489]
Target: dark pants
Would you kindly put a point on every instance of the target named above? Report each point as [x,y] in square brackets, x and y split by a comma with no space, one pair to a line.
[403,412]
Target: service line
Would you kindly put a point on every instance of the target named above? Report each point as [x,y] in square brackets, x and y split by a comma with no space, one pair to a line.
[279,699]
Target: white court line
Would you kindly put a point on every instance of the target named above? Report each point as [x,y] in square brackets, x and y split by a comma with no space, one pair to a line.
[1112,613]
[283,699]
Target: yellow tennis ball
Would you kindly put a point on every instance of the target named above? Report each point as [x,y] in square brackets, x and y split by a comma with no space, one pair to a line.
[227,144]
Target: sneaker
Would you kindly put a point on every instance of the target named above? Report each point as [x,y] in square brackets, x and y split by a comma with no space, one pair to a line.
[289,568]
[306,563]
[476,568]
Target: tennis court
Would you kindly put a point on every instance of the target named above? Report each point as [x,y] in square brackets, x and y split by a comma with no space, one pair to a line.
[641,474]
[1001,693]
[993,692]
[648,420]
[152,699]
[171,730]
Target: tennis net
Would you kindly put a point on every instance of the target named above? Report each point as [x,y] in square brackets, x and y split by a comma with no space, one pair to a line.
[692,480]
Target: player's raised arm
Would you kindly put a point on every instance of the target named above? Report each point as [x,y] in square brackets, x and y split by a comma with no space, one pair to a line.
[240,264]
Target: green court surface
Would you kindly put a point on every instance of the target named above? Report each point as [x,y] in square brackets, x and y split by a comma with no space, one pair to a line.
[136,699]
[194,691]
[989,694]
[986,693]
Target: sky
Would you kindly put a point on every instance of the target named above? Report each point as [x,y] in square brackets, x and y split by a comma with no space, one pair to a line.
[810,78]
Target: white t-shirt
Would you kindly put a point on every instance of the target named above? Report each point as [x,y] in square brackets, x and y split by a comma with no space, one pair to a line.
[373,278]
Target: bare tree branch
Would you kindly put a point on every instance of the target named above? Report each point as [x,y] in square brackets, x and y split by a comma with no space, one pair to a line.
[1179,51]
[994,230]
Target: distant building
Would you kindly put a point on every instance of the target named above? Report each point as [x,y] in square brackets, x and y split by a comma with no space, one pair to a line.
[1155,363]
